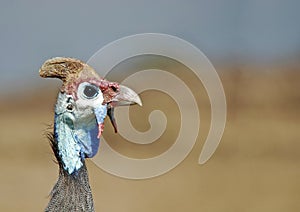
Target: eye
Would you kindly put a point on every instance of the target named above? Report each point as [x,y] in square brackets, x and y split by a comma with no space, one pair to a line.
[90,91]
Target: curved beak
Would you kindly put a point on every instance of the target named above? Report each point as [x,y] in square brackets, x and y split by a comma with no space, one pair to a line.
[124,97]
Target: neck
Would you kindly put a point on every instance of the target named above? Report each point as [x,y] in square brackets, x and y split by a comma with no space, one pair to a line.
[71,192]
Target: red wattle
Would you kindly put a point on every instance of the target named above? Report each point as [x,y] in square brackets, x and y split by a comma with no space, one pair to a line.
[100,129]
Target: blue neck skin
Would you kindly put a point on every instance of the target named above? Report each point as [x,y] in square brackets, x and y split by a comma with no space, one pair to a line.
[77,138]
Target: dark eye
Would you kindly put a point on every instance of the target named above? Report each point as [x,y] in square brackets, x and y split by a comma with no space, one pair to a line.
[90,91]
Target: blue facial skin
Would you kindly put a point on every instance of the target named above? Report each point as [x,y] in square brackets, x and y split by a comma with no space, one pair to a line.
[100,113]
[76,139]
[87,136]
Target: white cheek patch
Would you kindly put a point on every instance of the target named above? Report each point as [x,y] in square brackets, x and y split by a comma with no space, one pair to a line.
[84,103]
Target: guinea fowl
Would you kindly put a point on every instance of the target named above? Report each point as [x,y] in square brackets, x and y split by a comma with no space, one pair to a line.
[83,102]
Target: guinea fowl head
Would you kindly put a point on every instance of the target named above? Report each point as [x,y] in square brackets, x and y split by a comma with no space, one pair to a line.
[83,103]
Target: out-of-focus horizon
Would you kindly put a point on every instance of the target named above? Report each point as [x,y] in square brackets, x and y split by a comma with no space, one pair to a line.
[255,47]
[228,32]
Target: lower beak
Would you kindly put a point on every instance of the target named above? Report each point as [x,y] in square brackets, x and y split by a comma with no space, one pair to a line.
[124,97]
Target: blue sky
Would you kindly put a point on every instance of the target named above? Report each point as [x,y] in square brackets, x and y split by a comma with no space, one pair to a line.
[248,30]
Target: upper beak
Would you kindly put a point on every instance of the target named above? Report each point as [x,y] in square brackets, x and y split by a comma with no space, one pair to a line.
[124,97]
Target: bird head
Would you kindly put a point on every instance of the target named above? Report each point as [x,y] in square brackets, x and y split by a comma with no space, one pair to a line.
[85,99]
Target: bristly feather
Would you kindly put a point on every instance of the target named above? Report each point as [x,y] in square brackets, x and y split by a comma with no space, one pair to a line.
[71,192]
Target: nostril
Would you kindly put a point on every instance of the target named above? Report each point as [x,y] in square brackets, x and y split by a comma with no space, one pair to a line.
[114,88]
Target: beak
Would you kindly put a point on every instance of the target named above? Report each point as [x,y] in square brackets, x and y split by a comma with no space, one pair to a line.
[124,97]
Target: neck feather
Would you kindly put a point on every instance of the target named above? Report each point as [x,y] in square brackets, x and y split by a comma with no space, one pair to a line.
[71,192]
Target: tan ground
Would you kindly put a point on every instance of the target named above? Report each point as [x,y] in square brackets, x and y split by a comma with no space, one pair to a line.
[255,168]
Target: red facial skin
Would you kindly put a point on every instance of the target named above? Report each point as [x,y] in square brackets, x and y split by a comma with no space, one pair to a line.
[109,89]
[100,129]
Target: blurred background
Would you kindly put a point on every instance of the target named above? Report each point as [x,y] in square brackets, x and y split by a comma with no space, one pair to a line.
[255,48]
